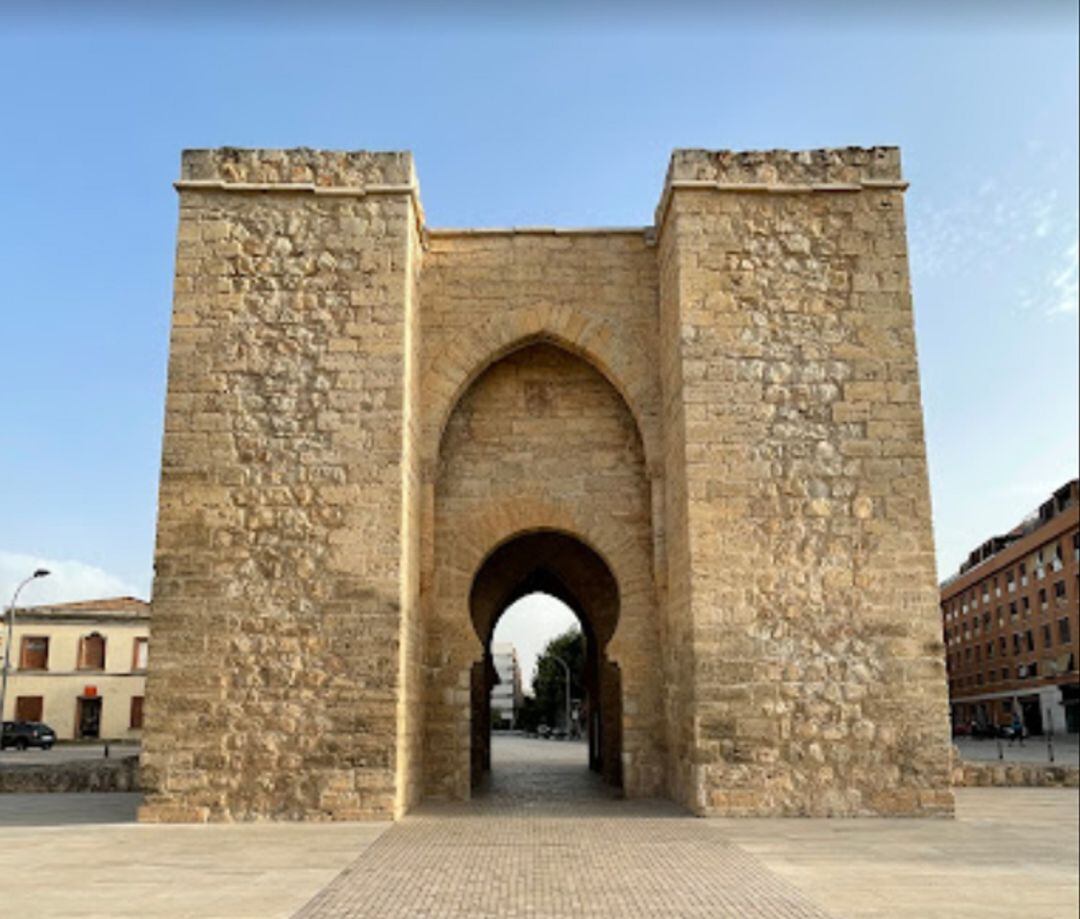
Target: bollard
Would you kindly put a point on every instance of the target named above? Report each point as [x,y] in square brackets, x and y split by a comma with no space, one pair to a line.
[1049,736]
[106,749]
[1001,750]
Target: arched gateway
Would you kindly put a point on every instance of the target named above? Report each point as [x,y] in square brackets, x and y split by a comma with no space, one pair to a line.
[703,435]
[553,563]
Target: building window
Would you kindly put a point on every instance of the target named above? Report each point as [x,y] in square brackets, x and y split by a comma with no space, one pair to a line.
[92,652]
[1059,557]
[1025,603]
[1023,574]
[139,654]
[1002,645]
[989,650]
[136,713]
[1010,579]
[1059,590]
[1076,546]
[1048,635]
[1016,642]
[1042,597]
[1029,638]
[1064,631]
[29,708]
[34,653]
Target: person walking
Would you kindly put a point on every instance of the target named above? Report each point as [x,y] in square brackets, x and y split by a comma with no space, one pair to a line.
[1017,727]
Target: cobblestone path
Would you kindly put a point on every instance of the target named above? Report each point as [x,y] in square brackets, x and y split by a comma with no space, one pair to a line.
[547,839]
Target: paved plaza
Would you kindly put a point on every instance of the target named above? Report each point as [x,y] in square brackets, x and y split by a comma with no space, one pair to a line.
[545,841]
[547,838]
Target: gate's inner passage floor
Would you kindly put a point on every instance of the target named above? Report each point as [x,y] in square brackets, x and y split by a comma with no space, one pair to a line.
[546,838]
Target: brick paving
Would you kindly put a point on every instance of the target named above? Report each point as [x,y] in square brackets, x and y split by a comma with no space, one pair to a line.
[547,839]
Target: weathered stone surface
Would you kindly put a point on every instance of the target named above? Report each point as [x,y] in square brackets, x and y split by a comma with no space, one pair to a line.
[1012,775]
[121,774]
[724,407]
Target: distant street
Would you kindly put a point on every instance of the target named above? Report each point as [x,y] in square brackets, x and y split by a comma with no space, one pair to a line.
[1034,750]
[65,753]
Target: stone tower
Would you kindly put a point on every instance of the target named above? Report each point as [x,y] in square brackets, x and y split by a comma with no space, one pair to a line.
[704,435]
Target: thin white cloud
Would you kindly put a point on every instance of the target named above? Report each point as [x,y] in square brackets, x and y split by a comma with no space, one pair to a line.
[1023,236]
[1065,283]
[68,580]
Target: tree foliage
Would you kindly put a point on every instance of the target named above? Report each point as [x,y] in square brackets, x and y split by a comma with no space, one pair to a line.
[548,703]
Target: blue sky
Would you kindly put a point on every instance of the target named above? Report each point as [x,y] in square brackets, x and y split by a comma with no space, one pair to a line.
[566,117]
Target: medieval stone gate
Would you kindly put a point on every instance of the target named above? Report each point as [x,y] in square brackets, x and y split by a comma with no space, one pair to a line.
[704,435]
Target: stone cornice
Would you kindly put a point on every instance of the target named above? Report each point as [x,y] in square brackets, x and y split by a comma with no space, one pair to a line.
[770,188]
[455,232]
[409,189]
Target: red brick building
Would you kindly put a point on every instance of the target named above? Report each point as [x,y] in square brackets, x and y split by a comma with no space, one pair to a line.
[1010,623]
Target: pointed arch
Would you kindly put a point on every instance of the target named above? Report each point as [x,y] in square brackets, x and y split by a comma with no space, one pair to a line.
[617,355]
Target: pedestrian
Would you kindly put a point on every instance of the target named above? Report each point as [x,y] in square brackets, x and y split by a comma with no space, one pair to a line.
[1017,728]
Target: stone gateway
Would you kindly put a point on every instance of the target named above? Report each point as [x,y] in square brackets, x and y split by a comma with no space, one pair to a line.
[704,435]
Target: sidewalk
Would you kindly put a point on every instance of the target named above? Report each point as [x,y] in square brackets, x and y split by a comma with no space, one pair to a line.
[1035,750]
[66,753]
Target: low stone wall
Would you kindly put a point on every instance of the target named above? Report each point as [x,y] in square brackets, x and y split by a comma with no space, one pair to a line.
[1015,775]
[121,774]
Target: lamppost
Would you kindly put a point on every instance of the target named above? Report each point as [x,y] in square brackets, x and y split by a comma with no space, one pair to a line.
[39,573]
[565,667]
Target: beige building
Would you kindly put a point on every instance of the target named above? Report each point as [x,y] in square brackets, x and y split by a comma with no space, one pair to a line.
[80,667]
[703,434]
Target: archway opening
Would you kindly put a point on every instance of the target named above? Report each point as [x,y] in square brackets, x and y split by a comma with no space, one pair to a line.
[564,568]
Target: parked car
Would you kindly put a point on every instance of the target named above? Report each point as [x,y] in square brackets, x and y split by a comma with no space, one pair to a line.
[23,734]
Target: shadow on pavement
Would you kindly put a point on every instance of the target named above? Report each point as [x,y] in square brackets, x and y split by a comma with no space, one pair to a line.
[75,809]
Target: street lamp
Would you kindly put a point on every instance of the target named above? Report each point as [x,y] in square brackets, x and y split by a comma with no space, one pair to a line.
[565,667]
[39,573]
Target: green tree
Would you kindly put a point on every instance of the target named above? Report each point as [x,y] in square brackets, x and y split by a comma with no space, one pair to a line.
[529,716]
[549,683]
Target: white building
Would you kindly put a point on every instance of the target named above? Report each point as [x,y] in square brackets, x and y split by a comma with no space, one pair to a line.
[506,695]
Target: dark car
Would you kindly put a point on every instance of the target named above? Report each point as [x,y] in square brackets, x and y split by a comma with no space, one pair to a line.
[23,734]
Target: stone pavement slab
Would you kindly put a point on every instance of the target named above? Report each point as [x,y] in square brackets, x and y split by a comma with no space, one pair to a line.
[548,839]
[1010,852]
[88,860]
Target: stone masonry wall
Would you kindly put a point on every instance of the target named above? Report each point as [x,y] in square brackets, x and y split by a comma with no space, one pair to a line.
[541,434]
[818,677]
[592,294]
[724,406]
[280,581]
